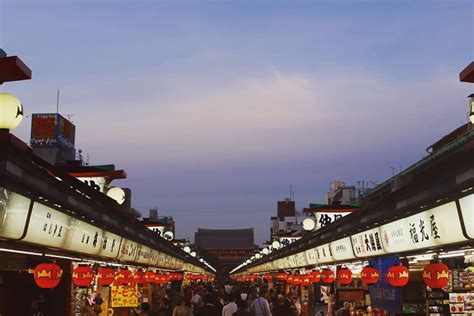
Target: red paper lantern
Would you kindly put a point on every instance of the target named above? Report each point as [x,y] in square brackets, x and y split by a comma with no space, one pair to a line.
[290,279]
[297,280]
[436,275]
[344,276]
[282,276]
[82,276]
[369,275]
[327,276]
[306,280]
[161,279]
[106,276]
[150,277]
[267,276]
[398,275]
[124,276]
[47,275]
[139,277]
[315,276]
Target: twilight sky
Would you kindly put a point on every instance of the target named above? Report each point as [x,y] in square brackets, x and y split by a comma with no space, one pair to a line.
[215,107]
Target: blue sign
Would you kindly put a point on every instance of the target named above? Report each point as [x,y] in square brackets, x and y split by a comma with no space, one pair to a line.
[382,294]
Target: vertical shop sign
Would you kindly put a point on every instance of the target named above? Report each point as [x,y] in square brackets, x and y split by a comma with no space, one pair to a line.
[382,294]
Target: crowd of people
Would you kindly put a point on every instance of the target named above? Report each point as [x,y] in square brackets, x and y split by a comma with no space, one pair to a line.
[228,300]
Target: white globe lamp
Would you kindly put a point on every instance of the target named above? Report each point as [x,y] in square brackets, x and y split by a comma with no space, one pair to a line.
[116,194]
[11,111]
[309,224]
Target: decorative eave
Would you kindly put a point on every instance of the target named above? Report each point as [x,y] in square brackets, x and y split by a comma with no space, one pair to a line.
[467,75]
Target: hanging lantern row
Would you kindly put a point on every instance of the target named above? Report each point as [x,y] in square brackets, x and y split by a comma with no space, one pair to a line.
[199,277]
[435,276]
[48,275]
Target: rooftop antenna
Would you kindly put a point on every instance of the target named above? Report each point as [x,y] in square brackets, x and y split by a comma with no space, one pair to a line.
[57,102]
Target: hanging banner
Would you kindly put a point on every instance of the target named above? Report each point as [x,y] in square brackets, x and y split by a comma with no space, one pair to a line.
[13,213]
[467,210]
[367,243]
[382,294]
[124,296]
[341,249]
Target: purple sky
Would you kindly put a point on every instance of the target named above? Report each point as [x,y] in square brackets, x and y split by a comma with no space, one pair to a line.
[215,108]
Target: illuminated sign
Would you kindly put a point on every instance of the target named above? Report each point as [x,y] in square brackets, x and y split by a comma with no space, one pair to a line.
[48,227]
[311,256]
[51,130]
[13,214]
[301,259]
[341,249]
[124,296]
[437,226]
[367,243]
[467,211]
[323,253]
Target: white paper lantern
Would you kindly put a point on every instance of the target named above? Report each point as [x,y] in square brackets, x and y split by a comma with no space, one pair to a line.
[309,224]
[117,194]
[11,111]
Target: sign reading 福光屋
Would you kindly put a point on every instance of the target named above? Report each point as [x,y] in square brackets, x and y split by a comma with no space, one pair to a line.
[367,243]
[341,249]
[437,226]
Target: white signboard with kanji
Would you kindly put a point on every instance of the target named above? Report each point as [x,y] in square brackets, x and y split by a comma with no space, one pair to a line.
[436,226]
[467,210]
[311,256]
[292,261]
[325,218]
[323,253]
[301,259]
[367,243]
[341,249]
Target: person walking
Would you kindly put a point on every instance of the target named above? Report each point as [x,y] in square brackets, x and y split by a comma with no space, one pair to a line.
[182,309]
[230,307]
[260,306]
[208,309]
